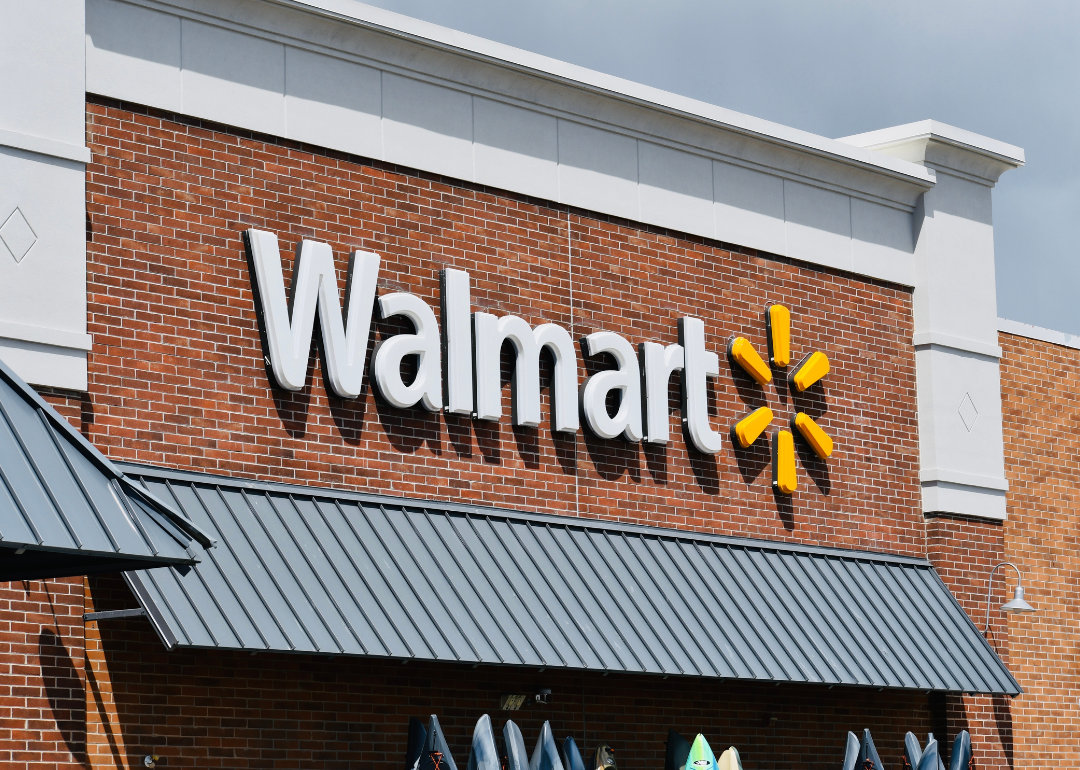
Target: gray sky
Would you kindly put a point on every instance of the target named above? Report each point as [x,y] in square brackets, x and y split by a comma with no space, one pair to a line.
[1009,70]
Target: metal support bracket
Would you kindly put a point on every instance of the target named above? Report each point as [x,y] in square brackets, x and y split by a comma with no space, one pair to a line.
[110,614]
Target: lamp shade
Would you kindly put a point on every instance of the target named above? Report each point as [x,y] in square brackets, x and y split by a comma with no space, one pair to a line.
[1018,604]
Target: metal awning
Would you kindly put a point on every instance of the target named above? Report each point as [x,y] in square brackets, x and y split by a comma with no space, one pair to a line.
[65,509]
[322,571]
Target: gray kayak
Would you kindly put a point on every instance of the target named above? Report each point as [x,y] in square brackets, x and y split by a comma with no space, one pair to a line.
[436,754]
[571,757]
[516,758]
[484,754]
[546,754]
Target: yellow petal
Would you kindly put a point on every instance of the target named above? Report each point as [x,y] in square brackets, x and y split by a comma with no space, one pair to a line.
[811,369]
[784,478]
[818,439]
[746,357]
[750,427]
[778,323]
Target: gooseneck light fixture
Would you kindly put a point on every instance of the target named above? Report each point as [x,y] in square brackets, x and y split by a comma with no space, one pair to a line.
[1017,604]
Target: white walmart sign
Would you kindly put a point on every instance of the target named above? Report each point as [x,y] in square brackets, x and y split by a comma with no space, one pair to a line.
[459,369]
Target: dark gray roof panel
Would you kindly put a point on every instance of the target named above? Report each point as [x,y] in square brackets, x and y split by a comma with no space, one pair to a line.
[314,570]
[65,509]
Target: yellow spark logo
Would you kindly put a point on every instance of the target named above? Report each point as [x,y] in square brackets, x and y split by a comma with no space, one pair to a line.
[812,369]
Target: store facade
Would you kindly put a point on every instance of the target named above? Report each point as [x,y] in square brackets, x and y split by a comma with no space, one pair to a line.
[509,455]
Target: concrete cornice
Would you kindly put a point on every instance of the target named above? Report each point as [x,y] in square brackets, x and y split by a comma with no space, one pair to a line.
[939,145]
[453,41]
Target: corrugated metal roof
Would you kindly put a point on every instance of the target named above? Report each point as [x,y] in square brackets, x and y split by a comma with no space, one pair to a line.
[65,509]
[314,570]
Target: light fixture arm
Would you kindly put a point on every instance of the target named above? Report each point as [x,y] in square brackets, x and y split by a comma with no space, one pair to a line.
[990,589]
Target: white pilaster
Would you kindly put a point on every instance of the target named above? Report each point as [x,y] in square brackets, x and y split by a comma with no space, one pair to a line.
[43,191]
[955,307]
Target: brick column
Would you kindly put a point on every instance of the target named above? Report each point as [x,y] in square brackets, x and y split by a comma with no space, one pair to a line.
[964,551]
[42,716]
[1042,447]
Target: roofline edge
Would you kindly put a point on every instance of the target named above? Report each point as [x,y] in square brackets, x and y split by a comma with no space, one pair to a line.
[590,80]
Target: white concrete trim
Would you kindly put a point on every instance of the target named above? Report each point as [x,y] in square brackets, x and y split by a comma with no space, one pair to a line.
[943,169]
[956,343]
[536,64]
[1039,333]
[940,497]
[880,164]
[57,338]
[943,132]
[46,365]
[945,148]
[42,146]
[964,479]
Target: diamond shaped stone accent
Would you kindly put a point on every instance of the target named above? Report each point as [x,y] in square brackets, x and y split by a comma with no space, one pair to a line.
[968,413]
[17,235]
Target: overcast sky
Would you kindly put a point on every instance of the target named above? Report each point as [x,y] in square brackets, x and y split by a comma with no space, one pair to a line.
[1009,70]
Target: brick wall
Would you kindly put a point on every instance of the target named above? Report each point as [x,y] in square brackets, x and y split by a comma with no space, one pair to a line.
[1039,388]
[237,710]
[42,708]
[964,551]
[177,375]
[73,406]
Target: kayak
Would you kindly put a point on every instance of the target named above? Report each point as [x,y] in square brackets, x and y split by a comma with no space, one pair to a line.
[571,757]
[516,758]
[483,755]
[961,752]
[851,751]
[730,760]
[415,746]
[868,756]
[546,754]
[678,749]
[701,756]
[436,753]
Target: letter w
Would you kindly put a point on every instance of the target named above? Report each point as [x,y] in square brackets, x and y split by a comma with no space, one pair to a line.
[287,327]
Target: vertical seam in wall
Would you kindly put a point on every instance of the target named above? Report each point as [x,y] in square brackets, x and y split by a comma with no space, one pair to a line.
[712,203]
[558,184]
[382,115]
[573,335]
[570,279]
[180,74]
[783,201]
[637,185]
[851,231]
